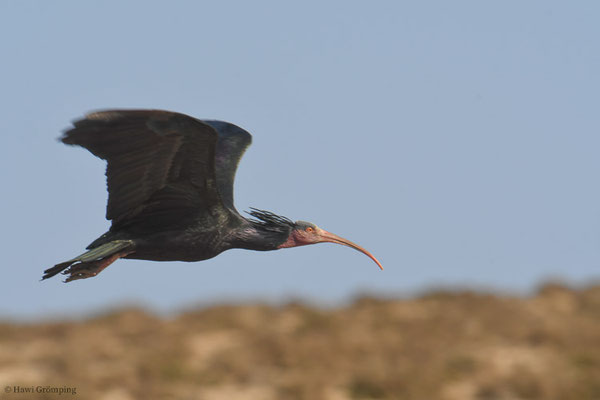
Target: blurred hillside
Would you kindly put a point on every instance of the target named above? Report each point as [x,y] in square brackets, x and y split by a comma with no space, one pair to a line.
[441,345]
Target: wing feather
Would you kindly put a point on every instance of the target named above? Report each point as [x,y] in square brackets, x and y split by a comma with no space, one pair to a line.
[231,146]
[161,165]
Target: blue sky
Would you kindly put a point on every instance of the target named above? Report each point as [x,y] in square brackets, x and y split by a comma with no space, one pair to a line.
[457,141]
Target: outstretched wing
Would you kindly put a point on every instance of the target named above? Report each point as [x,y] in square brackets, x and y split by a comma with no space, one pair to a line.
[161,165]
[231,145]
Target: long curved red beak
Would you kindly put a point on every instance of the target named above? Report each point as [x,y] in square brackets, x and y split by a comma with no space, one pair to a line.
[325,236]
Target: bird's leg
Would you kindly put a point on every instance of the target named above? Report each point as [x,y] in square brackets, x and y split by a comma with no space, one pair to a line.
[91,268]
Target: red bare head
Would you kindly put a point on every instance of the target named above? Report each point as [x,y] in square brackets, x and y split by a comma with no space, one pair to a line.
[307,233]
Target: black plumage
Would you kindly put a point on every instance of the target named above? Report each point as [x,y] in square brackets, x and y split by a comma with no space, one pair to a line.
[170,192]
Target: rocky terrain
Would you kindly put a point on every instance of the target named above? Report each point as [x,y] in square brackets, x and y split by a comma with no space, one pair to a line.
[441,345]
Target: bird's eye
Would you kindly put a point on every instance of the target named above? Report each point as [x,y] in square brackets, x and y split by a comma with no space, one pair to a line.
[309,229]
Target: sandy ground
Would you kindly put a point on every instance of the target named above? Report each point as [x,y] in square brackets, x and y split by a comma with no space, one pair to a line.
[441,345]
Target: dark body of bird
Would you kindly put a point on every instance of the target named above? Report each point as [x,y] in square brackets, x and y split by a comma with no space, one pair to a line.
[170,185]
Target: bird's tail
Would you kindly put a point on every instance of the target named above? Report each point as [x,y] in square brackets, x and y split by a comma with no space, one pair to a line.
[93,261]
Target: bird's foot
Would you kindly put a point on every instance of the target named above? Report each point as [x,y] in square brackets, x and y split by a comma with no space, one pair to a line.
[83,270]
[90,269]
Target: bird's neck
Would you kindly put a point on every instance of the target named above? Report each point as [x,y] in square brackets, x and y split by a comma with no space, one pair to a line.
[257,237]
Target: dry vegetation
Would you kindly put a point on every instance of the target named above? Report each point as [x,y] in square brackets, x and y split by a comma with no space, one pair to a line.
[442,345]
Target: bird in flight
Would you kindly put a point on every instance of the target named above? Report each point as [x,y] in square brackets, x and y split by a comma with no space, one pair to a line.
[170,193]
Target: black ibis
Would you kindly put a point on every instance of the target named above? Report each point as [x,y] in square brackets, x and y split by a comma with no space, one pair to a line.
[170,192]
